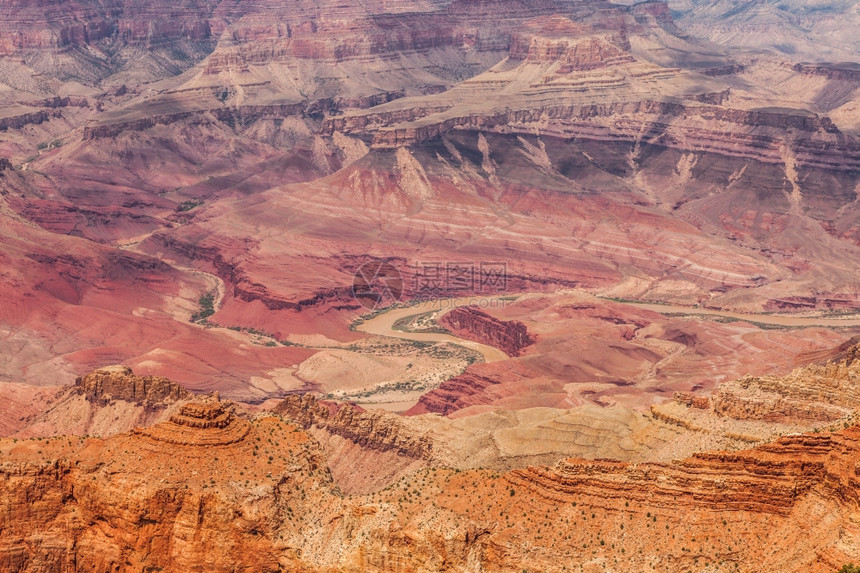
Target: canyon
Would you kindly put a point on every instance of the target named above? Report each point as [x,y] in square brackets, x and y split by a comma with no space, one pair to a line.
[144,499]
[609,255]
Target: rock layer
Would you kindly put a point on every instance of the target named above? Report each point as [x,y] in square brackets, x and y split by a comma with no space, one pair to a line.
[199,424]
[815,393]
[119,383]
[263,502]
[375,430]
[511,336]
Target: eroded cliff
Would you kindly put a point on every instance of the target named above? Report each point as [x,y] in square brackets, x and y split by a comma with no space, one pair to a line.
[510,335]
[256,495]
[815,393]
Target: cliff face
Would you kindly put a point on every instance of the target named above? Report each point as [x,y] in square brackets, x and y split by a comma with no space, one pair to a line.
[467,389]
[815,393]
[181,521]
[511,335]
[754,134]
[375,430]
[55,24]
[769,480]
[831,72]
[255,495]
[104,402]
[119,383]
[573,45]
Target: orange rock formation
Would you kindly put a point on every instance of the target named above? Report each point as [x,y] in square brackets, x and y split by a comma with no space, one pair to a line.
[262,500]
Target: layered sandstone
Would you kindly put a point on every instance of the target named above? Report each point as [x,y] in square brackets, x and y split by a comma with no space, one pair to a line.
[463,391]
[511,336]
[120,383]
[224,494]
[60,25]
[814,393]
[265,502]
[199,424]
[375,430]
[104,402]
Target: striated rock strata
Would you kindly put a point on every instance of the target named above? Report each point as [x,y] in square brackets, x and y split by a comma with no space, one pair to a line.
[814,393]
[509,335]
[120,383]
[376,430]
[264,502]
[199,424]
[103,402]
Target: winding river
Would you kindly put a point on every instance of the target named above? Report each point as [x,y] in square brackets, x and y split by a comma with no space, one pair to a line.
[383,325]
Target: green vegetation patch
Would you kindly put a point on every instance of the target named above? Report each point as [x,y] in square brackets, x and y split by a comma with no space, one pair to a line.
[207,308]
[188,205]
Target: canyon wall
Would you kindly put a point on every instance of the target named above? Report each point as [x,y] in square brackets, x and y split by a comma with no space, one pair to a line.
[256,494]
[119,383]
[509,335]
[375,430]
[814,393]
[57,24]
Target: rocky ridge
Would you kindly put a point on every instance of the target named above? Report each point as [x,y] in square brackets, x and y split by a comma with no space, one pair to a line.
[473,324]
[120,383]
[754,409]
[60,25]
[199,424]
[265,501]
[375,430]
[104,402]
[815,393]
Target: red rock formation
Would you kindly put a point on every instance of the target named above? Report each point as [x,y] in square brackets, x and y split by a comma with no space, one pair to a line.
[194,474]
[771,480]
[645,124]
[819,393]
[376,430]
[557,39]
[467,389]
[690,400]
[119,383]
[262,501]
[511,336]
[199,424]
[55,24]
